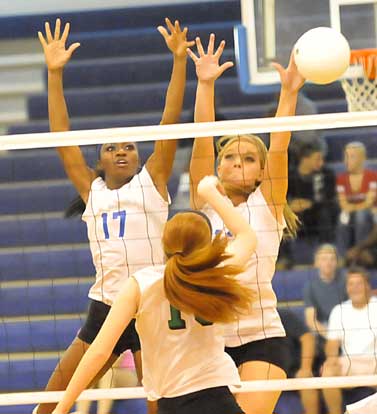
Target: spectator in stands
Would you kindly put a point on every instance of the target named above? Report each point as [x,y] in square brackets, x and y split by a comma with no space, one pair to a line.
[357,194]
[365,252]
[301,344]
[352,328]
[312,196]
[322,293]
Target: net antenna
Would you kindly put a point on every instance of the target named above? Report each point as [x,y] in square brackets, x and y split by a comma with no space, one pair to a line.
[361,89]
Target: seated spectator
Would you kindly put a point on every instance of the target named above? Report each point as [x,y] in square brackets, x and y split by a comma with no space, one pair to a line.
[356,194]
[312,195]
[352,328]
[302,350]
[365,252]
[322,292]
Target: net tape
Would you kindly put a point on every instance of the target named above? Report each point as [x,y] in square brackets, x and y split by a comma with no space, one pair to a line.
[247,386]
[189,130]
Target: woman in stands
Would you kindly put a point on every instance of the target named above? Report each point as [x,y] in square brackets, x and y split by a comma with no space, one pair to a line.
[126,207]
[255,182]
[184,364]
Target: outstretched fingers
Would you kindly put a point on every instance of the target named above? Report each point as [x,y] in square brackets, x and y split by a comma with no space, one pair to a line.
[169,24]
[163,32]
[65,33]
[192,55]
[211,44]
[177,27]
[73,47]
[199,46]
[278,67]
[57,29]
[220,49]
[225,66]
[42,40]
[48,32]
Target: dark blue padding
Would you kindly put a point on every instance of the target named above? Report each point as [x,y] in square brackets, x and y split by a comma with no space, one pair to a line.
[138,42]
[95,122]
[46,263]
[324,92]
[41,197]
[42,231]
[289,284]
[124,99]
[44,300]
[134,406]
[118,19]
[331,106]
[38,336]
[25,375]
[127,70]
[289,403]
[148,118]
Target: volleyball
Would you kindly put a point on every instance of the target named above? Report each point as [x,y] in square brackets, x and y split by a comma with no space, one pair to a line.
[322,55]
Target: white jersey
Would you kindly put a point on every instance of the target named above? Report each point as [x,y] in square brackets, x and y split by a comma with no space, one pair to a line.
[124,230]
[180,355]
[263,320]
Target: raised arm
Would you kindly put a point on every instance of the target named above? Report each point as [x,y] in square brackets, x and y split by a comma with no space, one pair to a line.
[203,154]
[56,55]
[121,313]
[245,241]
[275,183]
[160,163]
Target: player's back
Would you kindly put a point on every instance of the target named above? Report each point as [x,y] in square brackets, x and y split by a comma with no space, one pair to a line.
[181,353]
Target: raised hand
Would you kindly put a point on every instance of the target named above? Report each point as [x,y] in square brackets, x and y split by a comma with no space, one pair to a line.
[291,79]
[54,46]
[176,40]
[207,65]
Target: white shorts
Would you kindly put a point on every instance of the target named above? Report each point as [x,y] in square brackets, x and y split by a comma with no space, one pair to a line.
[365,406]
[358,365]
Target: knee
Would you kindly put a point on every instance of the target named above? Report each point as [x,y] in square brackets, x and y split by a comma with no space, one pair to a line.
[330,369]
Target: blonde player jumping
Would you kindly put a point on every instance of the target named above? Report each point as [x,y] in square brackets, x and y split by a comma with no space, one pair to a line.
[255,181]
[125,210]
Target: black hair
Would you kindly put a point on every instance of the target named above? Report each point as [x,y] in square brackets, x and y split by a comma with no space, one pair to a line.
[360,271]
[307,149]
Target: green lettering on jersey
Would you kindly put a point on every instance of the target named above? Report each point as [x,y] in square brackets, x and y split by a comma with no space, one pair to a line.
[176,322]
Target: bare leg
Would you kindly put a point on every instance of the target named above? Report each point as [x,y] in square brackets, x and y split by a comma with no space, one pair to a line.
[310,401]
[259,402]
[65,369]
[151,405]
[332,396]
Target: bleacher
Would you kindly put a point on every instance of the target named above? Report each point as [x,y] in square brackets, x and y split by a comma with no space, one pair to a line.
[118,77]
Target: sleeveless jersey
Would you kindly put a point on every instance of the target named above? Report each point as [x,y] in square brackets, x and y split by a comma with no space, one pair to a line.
[180,354]
[124,230]
[263,320]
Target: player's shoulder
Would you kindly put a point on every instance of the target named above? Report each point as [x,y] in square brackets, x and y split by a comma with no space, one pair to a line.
[148,276]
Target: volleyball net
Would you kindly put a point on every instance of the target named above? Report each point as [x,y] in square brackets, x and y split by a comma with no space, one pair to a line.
[46,268]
